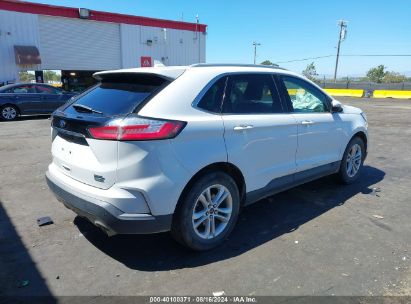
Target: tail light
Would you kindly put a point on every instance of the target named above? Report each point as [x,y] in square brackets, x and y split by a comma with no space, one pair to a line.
[138,128]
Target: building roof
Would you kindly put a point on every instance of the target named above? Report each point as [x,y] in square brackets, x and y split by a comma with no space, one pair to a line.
[71,12]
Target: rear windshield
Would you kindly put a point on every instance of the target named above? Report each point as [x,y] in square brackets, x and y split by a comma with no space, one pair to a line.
[116,97]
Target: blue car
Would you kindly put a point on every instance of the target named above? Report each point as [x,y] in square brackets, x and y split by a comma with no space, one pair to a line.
[30,99]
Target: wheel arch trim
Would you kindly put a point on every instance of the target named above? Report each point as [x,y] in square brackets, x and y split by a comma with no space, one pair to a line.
[225,167]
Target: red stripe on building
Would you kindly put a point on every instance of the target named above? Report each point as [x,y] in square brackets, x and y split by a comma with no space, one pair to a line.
[70,12]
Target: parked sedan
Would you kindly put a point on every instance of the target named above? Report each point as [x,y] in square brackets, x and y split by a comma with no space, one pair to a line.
[30,99]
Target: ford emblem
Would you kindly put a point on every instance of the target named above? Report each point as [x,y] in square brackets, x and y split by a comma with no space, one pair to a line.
[62,124]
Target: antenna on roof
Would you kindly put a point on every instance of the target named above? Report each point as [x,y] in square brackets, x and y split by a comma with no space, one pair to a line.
[197,22]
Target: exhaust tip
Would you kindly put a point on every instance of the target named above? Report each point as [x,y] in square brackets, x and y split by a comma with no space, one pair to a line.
[103,227]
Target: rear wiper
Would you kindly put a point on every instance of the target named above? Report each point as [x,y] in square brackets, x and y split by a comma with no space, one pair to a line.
[82,108]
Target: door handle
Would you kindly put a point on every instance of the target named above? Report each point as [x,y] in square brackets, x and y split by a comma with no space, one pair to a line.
[243,127]
[307,122]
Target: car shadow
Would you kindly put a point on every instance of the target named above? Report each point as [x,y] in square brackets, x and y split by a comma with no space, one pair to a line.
[20,278]
[257,224]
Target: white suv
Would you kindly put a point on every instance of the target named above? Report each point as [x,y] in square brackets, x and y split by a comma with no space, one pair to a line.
[184,148]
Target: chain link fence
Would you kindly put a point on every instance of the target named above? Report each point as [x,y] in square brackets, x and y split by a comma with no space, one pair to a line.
[367,86]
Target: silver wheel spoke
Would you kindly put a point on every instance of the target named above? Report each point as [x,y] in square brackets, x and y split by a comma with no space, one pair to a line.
[207,229]
[212,230]
[224,210]
[220,197]
[221,218]
[349,168]
[203,200]
[197,215]
[200,221]
[208,195]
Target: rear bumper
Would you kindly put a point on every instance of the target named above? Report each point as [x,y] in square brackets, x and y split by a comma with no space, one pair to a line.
[106,216]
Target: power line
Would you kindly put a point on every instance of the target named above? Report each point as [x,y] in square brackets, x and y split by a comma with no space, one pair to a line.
[304,59]
[378,55]
[348,55]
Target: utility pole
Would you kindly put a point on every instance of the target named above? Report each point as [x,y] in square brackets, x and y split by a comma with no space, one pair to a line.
[255,50]
[343,31]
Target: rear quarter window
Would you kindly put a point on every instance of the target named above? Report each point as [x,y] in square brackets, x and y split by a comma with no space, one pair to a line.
[212,99]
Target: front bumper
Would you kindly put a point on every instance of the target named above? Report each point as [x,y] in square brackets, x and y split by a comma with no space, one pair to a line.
[106,216]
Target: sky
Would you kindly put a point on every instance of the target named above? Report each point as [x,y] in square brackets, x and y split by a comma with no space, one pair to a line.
[287,30]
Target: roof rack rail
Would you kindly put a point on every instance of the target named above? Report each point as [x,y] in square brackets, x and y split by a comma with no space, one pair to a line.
[199,65]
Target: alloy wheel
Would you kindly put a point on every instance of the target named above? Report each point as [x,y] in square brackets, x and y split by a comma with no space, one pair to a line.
[212,211]
[353,162]
[9,113]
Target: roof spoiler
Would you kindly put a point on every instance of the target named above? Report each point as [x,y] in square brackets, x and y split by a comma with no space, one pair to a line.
[167,73]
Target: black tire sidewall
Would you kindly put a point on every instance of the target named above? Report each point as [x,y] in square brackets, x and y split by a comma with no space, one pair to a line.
[343,172]
[183,229]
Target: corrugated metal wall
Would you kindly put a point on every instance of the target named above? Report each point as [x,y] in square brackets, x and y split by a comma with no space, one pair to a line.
[74,44]
[172,47]
[15,29]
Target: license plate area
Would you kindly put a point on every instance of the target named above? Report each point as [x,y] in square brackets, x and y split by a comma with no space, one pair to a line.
[63,155]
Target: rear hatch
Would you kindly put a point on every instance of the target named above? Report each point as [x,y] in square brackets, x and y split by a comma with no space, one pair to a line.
[75,152]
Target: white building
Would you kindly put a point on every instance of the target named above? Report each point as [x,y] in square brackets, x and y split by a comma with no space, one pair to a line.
[40,37]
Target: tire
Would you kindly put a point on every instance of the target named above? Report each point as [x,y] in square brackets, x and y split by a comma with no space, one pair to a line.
[9,112]
[352,161]
[194,209]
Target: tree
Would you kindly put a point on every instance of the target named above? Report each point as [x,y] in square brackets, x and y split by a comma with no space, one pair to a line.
[376,74]
[26,76]
[379,75]
[268,62]
[51,76]
[393,77]
[310,71]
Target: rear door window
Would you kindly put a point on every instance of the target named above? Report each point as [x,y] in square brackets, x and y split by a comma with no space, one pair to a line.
[117,97]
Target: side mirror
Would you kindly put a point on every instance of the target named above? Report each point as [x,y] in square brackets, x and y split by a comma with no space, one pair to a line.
[336,107]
